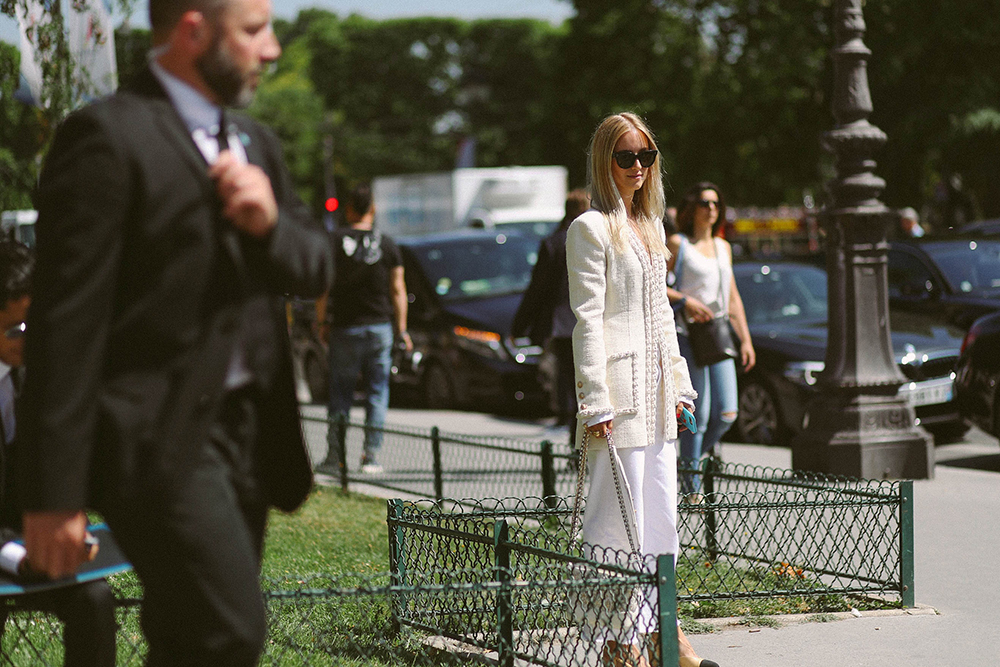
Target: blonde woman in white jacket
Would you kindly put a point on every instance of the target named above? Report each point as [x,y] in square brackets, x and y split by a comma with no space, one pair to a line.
[631,379]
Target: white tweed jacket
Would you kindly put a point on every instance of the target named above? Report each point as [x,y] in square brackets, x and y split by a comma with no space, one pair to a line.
[624,339]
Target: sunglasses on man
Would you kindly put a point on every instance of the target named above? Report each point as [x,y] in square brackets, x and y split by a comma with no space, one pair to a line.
[625,159]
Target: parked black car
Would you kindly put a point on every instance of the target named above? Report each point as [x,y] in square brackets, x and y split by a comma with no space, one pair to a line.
[977,381]
[989,227]
[786,304]
[464,288]
[953,278]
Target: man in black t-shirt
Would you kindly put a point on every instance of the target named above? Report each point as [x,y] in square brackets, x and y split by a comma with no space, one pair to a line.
[365,310]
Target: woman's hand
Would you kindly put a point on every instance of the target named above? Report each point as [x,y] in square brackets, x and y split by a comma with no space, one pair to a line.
[696,311]
[681,425]
[747,355]
[601,430]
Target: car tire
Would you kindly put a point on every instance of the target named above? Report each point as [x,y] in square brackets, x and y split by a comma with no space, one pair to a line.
[316,376]
[438,390]
[759,419]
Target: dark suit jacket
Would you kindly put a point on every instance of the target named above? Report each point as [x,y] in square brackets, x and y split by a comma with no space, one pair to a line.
[136,308]
[10,509]
[545,311]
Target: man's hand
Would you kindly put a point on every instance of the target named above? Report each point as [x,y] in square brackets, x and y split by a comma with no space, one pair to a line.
[247,198]
[55,542]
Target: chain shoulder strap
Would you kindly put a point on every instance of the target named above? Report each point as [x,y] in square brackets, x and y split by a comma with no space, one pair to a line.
[616,475]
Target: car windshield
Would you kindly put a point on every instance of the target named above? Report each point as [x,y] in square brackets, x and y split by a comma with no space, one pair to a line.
[968,265]
[478,267]
[775,294]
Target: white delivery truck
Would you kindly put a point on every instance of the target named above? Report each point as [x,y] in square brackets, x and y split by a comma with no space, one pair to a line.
[414,204]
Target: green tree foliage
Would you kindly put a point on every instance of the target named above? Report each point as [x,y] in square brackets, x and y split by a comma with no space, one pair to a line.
[737,91]
[935,69]
[288,103]
[508,91]
[22,133]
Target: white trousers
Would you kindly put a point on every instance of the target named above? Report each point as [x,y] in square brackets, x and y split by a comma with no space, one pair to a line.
[649,489]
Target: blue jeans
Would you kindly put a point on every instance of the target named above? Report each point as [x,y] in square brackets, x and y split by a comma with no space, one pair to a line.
[714,410]
[364,350]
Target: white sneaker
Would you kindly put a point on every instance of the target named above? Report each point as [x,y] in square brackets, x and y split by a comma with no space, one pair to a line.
[371,468]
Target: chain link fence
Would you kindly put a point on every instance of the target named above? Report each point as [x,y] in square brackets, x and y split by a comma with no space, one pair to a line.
[752,533]
[472,616]
[492,581]
[431,463]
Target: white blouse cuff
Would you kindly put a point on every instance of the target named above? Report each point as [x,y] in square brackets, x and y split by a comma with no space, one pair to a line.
[597,419]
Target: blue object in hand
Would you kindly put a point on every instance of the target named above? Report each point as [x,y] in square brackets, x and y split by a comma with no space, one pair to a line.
[687,420]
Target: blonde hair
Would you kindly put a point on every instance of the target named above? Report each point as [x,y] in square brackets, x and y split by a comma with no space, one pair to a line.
[648,204]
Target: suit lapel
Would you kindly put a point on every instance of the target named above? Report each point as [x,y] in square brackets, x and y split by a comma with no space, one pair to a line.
[174,128]
[147,85]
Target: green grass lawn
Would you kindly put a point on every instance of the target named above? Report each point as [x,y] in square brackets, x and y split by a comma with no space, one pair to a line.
[332,533]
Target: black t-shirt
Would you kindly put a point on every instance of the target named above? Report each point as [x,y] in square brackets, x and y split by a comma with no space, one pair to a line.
[361,292]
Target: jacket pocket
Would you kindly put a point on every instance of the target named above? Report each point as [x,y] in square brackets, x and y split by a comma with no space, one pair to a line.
[623,383]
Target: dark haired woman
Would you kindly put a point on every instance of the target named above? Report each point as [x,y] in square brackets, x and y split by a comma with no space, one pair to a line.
[702,262]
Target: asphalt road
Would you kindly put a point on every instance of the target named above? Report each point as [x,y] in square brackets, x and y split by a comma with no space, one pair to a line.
[957,560]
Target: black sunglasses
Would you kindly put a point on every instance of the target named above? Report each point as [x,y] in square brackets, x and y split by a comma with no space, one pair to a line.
[625,159]
[15,332]
[705,203]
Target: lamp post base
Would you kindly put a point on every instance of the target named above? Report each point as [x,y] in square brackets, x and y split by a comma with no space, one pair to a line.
[865,436]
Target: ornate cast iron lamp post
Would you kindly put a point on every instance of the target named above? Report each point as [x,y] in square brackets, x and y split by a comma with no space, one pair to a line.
[858,425]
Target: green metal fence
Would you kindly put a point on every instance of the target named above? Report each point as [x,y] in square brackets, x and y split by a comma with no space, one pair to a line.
[761,532]
[502,580]
[431,463]
[551,601]
[756,532]
[496,614]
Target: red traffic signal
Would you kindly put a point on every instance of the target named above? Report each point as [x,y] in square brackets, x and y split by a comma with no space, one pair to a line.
[332,204]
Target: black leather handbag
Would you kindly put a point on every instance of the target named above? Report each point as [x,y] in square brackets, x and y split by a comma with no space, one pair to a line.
[712,341]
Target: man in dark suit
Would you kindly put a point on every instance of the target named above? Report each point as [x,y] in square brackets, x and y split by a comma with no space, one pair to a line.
[161,389]
[545,314]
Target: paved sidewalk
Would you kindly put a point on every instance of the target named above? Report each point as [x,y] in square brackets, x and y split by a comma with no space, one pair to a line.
[957,551]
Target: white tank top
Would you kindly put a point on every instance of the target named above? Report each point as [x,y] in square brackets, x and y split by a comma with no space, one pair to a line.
[700,275]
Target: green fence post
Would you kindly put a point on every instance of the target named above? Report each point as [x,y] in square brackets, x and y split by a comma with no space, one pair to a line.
[548,476]
[666,598]
[711,526]
[436,451]
[397,558]
[505,619]
[341,426]
[906,574]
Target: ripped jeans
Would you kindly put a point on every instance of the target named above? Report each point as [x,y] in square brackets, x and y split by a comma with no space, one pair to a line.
[714,410]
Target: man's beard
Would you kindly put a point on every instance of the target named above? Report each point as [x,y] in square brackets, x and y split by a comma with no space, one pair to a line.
[224,77]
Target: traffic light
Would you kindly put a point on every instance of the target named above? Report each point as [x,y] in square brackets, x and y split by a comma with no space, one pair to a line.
[332,204]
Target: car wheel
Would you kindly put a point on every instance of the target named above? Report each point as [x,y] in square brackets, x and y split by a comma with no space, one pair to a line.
[438,391]
[316,377]
[758,421]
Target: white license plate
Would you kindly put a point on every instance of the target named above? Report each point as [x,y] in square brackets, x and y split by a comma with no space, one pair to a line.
[928,393]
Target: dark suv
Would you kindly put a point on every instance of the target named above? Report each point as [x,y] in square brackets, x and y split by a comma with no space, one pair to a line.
[464,288]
